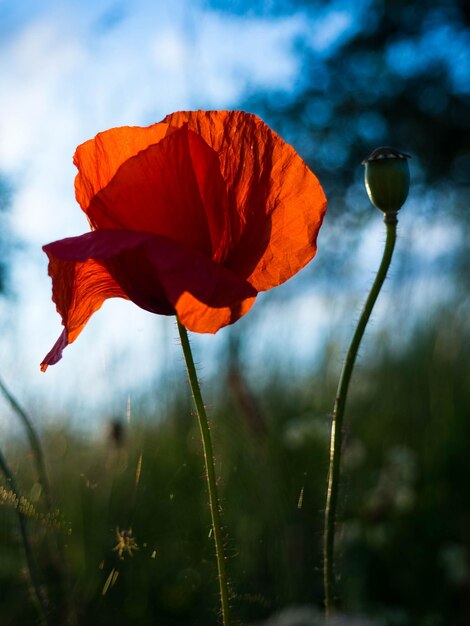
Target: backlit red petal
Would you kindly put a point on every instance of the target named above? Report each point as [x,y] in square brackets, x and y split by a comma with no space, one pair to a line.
[79,288]
[98,159]
[156,273]
[201,318]
[276,203]
[173,188]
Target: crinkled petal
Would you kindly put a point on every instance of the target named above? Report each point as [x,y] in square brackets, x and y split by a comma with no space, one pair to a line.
[276,203]
[201,318]
[156,273]
[98,159]
[173,188]
[79,288]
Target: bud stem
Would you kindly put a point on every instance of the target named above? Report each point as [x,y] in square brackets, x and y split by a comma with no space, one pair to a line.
[390,220]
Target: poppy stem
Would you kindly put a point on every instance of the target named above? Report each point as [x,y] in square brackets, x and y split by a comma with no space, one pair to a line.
[210,473]
[391,221]
[42,601]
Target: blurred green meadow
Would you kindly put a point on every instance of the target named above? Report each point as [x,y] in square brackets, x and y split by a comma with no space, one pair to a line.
[335,80]
[404,523]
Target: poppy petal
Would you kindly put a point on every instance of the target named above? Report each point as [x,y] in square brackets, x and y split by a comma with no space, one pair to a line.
[156,273]
[98,159]
[173,188]
[200,318]
[276,203]
[79,288]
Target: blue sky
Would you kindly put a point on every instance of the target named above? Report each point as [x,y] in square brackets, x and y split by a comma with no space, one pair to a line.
[71,69]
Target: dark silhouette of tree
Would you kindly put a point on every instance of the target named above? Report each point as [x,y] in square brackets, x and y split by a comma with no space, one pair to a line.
[377,73]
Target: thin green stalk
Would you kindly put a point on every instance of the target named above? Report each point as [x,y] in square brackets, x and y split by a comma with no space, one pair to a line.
[210,473]
[42,602]
[33,442]
[390,220]
[39,459]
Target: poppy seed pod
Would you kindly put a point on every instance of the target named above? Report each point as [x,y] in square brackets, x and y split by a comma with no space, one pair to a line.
[387,178]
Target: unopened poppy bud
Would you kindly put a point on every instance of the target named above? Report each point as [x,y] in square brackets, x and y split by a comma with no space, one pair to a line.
[387,178]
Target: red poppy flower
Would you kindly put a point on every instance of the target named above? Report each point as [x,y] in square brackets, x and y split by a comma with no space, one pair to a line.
[191,216]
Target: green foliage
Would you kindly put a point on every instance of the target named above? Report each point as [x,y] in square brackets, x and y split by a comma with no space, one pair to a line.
[403,542]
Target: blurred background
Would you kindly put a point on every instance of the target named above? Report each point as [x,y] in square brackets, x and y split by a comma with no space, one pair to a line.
[335,79]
